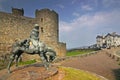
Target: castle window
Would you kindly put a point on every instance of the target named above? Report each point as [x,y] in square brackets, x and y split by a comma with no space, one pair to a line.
[41,19]
[41,29]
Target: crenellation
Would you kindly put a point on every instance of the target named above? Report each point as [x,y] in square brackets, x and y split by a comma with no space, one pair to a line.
[17,12]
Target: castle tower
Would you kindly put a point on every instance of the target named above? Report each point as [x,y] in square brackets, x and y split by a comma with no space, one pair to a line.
[49,30]
[48,22]
[18,12]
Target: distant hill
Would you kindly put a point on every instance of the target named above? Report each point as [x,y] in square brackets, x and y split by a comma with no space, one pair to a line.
[83,47]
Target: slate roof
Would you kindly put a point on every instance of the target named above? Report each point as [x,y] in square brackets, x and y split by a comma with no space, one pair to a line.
[99,36]
[112,34]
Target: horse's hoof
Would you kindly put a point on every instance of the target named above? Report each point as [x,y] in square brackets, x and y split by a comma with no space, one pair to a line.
[47,68]
[17,67]
[9,72]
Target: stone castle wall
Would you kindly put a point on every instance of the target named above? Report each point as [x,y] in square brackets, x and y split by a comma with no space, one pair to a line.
[16,26]
[13,27]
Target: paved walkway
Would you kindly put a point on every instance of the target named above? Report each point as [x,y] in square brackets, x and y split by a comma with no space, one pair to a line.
[99,63]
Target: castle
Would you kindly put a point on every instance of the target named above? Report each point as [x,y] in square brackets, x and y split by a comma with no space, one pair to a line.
[108,41]
[17,26]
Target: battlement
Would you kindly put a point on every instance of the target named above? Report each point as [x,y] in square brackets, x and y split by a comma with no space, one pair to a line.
[47,11]
[18,12]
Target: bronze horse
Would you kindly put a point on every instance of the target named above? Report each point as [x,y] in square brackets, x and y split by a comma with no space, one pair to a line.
[32,45]
[46,54]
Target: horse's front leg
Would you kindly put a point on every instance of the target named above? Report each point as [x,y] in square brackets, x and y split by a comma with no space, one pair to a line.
[17,59]
[12,57]
[45,63]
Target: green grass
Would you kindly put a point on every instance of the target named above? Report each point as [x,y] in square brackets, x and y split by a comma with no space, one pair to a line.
[74,74]
[77,52]
[4,65]
[27,62]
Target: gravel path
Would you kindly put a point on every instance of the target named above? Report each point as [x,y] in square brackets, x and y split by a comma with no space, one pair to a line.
[99,63]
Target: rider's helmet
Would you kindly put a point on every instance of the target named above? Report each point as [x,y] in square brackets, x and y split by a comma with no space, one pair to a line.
[35,32]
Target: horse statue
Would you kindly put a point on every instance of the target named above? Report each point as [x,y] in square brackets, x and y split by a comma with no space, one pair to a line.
[32,46]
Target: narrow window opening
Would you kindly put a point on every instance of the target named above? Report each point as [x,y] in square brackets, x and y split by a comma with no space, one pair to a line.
[41,19]
[41,29]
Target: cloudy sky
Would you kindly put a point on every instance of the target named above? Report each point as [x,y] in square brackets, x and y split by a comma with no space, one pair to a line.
[80,21]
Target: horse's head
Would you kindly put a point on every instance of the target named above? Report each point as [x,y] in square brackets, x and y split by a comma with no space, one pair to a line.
[51,55]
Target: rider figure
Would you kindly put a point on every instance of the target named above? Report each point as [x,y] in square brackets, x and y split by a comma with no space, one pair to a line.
[32,43]
[34,37]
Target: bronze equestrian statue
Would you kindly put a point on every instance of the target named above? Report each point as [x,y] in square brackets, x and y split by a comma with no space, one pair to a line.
[32,45]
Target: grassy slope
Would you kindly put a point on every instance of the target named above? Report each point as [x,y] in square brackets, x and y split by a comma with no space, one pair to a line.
[77,52]
[67,73]
[74,74]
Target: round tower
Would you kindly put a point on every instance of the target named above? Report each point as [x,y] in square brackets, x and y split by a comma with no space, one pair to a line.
[48,22]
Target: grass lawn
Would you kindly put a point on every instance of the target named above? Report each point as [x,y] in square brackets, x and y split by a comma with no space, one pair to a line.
[67,73]
[74,74]
[77,52]
[27,62]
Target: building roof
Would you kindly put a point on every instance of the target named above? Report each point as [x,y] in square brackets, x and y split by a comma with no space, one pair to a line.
[100,36]
[114,34]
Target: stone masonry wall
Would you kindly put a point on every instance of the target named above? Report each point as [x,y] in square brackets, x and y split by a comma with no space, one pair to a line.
[13,26]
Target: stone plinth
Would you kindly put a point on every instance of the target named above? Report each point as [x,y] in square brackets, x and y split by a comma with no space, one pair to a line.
[31,72]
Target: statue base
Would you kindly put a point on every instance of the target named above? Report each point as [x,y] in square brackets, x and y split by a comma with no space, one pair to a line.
[32,72]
